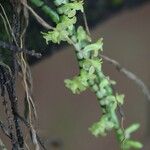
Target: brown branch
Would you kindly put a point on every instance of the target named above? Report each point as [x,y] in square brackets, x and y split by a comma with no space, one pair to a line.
[2,146]
[8,132]
[4,129]
[27,124]
[18,49]
[37,17]
[129,75]
[4,70]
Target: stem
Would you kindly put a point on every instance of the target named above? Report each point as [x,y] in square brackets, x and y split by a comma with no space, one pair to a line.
[47,10]
[11,85]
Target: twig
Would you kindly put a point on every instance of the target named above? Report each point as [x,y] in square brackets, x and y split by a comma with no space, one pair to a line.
[4,129]
[5,25]
[34,138]
[86,24]
[2,146]
[4,70]
[8,132]
[18,49]
[8,23]
[27,124]
[129,75]
[38,18]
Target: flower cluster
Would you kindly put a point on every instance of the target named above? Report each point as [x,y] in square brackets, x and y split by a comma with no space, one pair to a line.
[91,74]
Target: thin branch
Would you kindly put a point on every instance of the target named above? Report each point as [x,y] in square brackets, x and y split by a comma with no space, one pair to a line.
[5,25]
[18,49]
[4,129]
[37,17]
[129,75]
[27,124]
[86,24]
[2,146]
[4,70]
[8,23]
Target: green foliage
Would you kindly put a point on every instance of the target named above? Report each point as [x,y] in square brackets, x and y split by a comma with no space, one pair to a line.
[127,143]
[46,9]
[120,98]
[100,128]
[59,2]
[69,9]
[91,75]
[61,32]
[79,83]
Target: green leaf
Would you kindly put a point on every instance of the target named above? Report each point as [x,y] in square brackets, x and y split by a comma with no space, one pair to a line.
[82,35]
[99,128]
[66,23]
[91,70]
[95,88]
[79,83]
[55,36]
[120,98]
[101,93]
[59,2]
[131,129]
[94,47]
[70,9]
[104,83]
[130,144]
[87,63]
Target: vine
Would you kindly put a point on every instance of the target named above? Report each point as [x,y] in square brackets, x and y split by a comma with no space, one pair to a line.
[91,74]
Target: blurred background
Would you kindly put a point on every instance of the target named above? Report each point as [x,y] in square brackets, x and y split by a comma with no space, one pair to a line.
[64,118]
